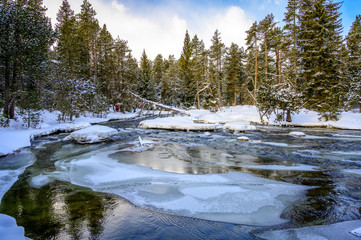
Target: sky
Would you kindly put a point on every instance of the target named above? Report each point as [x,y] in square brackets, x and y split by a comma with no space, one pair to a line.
[159,26]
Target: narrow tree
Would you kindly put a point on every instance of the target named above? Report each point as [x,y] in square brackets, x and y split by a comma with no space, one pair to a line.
[354,63]
[185,72]
[252,43]
[217,51]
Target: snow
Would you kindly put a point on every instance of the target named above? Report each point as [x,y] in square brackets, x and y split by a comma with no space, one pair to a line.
[297,134]
[239,126]
[356,232]
[93,134]
[243,138]
[238,118]
[15,137]
[233,197]
[178,123]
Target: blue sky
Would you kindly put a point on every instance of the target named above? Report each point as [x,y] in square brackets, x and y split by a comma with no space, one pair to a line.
[158,26]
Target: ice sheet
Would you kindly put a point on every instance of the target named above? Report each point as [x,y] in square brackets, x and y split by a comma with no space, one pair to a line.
[232,197]
[11,167]
[9,230]
[299,167]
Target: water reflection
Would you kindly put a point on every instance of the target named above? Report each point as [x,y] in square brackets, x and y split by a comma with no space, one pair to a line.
[169,157]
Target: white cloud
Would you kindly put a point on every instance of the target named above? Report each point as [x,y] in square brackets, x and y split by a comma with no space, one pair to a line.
[162,30]
[232,23]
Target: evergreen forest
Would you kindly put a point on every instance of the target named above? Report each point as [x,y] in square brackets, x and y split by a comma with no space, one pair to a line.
[79,67]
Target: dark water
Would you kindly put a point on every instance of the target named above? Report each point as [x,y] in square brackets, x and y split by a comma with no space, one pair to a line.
[61,210]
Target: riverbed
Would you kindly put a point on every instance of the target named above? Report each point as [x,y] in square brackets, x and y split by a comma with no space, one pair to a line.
[188,185]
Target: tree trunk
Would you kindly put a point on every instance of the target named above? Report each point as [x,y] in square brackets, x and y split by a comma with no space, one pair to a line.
[288,117]
[255,76]
[7,88]
[198,102]
[235,95]
[266,59]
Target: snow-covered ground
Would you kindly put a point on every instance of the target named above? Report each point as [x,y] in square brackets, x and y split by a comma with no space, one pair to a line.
[15,137]
[235,119]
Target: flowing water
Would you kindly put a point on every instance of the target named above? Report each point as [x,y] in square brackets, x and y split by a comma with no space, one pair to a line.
[186,185]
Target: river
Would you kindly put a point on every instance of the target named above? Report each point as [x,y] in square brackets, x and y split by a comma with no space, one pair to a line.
[187,185]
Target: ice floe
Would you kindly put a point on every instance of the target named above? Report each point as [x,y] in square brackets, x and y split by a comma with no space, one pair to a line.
[239,126]
[178,123]
[9,230]
[231,197]
[11,167]
[357,232]
[243,138]
[297,134]
[299,167]
[93,134]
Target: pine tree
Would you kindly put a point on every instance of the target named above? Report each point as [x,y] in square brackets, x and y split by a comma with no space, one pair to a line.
[67,43]
[266,28]
[157,73]
[234,73]
[252,42]
[106,62]
[88,29]
[146,84]
[172,88]
[217,51]
[320,43]
[354,63]
[199,67]
[185,72]
[291,32]
[25,39]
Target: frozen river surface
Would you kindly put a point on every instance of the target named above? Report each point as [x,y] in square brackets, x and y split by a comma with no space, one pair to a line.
[152,184]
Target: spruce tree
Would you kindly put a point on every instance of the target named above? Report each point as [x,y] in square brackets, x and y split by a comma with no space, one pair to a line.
[217,51]
[354,64]
[67,43]
[146,84]
[252,41]
[157,73]
[320,43]
[234,74]
[106,61]
[185,72]
[199,67]
[172,88]
[88,29]
[25,39]
[291,33]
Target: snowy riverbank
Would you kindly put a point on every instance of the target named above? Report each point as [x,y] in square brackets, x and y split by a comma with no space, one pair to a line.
[236,118]
[16,137]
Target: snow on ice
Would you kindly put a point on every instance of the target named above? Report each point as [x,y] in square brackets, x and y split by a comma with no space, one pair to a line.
[231,197]
[297,134]
[17,163]
[93,134]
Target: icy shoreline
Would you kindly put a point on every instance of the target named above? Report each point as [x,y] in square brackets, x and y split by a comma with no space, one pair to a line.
[234,119]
